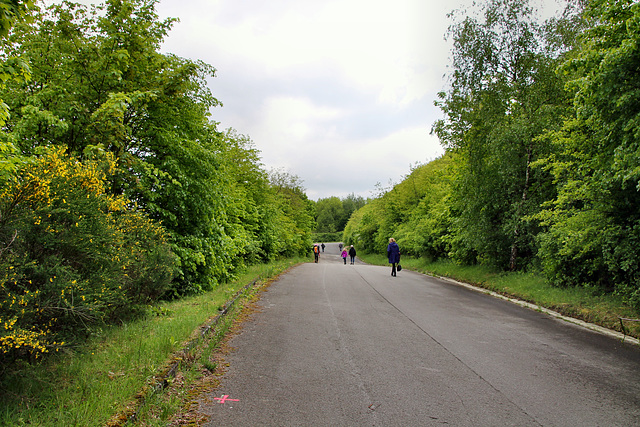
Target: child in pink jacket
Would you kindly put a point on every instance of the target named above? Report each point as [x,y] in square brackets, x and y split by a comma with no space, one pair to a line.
[344,255]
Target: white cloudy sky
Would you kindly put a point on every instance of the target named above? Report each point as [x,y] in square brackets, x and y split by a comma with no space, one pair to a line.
[337,92]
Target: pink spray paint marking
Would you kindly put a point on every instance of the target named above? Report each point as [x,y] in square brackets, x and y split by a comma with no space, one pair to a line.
[225,398]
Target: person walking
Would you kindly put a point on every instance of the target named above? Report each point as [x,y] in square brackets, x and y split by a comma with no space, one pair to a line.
[344,255]
[316,252]
[352,254]
[393,253]
[322,245]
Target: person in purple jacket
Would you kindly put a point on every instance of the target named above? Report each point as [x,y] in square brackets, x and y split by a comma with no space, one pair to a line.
[393,253]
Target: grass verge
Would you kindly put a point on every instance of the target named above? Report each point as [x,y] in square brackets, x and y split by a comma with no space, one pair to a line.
[581,303]
[117,369]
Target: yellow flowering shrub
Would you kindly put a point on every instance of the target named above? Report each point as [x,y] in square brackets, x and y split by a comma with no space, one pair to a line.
[72,255]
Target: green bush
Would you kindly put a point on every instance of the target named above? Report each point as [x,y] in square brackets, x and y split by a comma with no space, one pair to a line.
[363,227]
[71,255]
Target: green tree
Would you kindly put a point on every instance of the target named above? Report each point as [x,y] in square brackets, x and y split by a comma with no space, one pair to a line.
[350,204]
[11,12]
[127,182]
[504,97]
[415,211]
[329,213]
[333,213]
[594,223]
[99,82]
[291,214]
[363,227]
[262,207]
[11,69]
[427,229]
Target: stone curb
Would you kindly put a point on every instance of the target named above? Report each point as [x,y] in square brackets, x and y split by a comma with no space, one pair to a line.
[555,314]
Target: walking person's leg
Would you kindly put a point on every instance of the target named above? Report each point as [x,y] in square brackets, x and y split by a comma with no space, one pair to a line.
[393,269]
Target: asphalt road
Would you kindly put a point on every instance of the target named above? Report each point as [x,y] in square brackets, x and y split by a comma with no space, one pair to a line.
[349,345]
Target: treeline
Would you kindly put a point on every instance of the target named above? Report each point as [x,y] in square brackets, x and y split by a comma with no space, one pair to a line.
[542,163]
[117,188]
[332,213]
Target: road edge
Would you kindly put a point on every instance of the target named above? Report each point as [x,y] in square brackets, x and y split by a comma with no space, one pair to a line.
[591,326]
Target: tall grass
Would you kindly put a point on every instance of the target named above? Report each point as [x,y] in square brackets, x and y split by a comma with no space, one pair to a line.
[87,385]
[582,303]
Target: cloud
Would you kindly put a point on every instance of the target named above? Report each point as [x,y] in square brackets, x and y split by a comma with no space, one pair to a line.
[356,166]
[339,92]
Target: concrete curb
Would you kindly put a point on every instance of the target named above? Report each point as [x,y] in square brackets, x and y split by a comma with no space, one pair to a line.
[555,314]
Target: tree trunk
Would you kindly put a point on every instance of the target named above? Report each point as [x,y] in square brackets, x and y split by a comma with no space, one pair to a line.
[516,233]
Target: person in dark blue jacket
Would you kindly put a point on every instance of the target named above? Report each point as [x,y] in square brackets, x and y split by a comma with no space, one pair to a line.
[393,253]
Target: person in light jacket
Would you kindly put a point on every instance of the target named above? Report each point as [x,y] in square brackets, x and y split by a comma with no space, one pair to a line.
[393,253]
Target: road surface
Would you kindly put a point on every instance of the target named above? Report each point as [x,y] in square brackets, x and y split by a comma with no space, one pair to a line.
[349,345]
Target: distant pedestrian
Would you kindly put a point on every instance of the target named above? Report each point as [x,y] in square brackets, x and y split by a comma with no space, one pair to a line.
[344,255]
[316,252]
[393,253]
[340,246]
[322,245]
[352,254]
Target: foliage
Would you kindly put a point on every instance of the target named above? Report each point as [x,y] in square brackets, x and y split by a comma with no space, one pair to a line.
[71,255]
[177,198]
[12,11]
[594,223]
[289,214]
[541,129]
[329,213]
[363,226]
[99,82]
[11,69]
[504,97]
[332,213]
[416,212]
[427,230]
[248,193]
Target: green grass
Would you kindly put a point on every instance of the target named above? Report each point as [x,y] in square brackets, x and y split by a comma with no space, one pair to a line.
[88,385]
[581,303]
